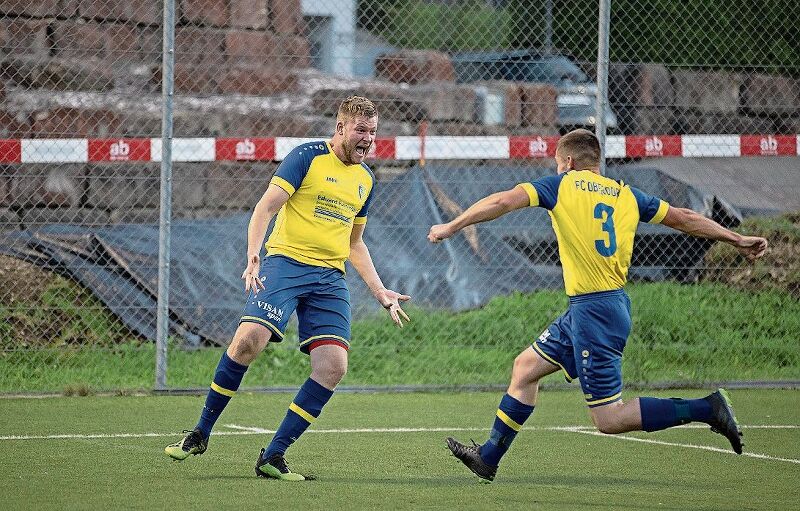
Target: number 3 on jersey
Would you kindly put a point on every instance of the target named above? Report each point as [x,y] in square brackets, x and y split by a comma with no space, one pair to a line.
[604,249]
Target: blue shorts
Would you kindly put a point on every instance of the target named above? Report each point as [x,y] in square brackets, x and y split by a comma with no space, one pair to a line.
[587,343]
[319,295]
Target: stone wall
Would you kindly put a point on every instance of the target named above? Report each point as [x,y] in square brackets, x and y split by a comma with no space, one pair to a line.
[651,98]
[32,195]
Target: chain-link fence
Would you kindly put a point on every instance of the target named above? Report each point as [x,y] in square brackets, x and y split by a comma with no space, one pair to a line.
[704,111]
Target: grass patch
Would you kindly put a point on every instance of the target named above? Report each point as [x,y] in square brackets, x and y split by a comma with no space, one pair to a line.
[124,466]
[685,333]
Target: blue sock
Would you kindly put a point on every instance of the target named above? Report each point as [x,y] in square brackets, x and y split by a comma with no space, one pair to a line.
[306,407]
[511,415]
[226,382]
[658,414]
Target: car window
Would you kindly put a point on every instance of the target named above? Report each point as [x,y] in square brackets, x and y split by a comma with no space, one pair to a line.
[562,68]
[553,70]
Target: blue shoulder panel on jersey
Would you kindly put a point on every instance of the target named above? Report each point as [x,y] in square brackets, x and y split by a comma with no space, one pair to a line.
[547,189]
[295,166]
[365,208]
[648,205]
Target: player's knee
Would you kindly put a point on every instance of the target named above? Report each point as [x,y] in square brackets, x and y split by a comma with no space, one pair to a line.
[337,372]
[331,373]
[523,369]
[248,344]
[607,424]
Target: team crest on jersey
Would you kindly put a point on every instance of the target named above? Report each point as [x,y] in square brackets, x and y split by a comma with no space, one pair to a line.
[360,191]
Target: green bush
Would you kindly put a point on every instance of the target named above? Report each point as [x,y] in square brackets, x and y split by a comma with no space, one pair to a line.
[686,333]
[704,33]
[425,25]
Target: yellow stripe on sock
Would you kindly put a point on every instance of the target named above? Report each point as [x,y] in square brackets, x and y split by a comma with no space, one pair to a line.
[302,413]
[224,392]
[511,423]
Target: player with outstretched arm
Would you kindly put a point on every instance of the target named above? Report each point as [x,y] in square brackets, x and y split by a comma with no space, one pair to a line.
[595,220]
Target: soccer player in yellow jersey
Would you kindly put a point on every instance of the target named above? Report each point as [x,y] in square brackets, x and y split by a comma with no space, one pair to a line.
[321,194]
[595,220]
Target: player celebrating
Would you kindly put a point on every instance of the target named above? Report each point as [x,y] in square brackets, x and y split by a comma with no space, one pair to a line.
[595,220]
[321,193]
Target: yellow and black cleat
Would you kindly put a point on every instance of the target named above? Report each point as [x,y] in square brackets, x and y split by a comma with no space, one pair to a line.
[275,467]
[192,444]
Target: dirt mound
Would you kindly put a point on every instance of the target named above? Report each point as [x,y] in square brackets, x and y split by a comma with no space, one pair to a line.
[779,268]
[22,282]
[41,308]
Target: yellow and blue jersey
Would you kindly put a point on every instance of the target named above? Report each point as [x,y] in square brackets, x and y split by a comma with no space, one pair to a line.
[326,198]
[595,220]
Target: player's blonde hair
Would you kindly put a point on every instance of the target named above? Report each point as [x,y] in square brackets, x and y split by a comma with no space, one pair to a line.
[356,106]
[583,146]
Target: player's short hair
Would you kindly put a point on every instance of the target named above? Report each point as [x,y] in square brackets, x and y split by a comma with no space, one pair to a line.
[356,106]
[583,146]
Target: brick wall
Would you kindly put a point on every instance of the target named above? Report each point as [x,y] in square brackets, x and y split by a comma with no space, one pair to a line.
[92,68]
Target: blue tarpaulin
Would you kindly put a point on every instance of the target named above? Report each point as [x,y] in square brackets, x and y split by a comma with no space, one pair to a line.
[518,252]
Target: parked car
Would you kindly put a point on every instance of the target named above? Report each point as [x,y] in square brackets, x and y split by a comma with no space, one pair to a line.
[576,99]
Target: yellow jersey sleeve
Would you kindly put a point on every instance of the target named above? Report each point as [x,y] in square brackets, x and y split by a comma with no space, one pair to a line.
[543,192]
[663,207]
[651,209]
[283,184]
[533,196]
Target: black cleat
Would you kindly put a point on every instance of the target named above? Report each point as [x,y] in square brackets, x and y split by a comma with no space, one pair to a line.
[723,421]
[276,468]
[471,457]
[192,444]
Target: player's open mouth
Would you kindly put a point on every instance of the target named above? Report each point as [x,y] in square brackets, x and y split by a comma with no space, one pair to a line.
[361,151]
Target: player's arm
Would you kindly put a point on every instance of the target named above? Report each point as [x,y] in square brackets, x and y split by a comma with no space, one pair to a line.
[362,262]
[266,208]
[695,224]
[488,208]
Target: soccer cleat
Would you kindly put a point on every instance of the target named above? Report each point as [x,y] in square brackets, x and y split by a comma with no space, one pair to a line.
[723,421]
[276,468]
[471,457]
[192,444]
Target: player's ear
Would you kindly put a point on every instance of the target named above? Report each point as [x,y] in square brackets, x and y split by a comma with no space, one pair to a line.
[340,127]
[570,163]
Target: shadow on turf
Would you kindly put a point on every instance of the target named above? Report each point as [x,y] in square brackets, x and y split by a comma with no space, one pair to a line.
[469,480]
[535,480]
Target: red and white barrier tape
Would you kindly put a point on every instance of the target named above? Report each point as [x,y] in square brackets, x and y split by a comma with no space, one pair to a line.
[71,150]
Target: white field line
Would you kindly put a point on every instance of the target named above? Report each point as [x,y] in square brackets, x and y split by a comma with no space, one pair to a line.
[691,446]
[246,430]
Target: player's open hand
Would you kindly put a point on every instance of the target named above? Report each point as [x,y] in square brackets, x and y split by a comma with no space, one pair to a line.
[440,232]
[391,302]
[751,247]
[250,275]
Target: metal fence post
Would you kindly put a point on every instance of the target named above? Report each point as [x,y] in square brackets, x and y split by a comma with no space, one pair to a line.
[602,78]
[167,88]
